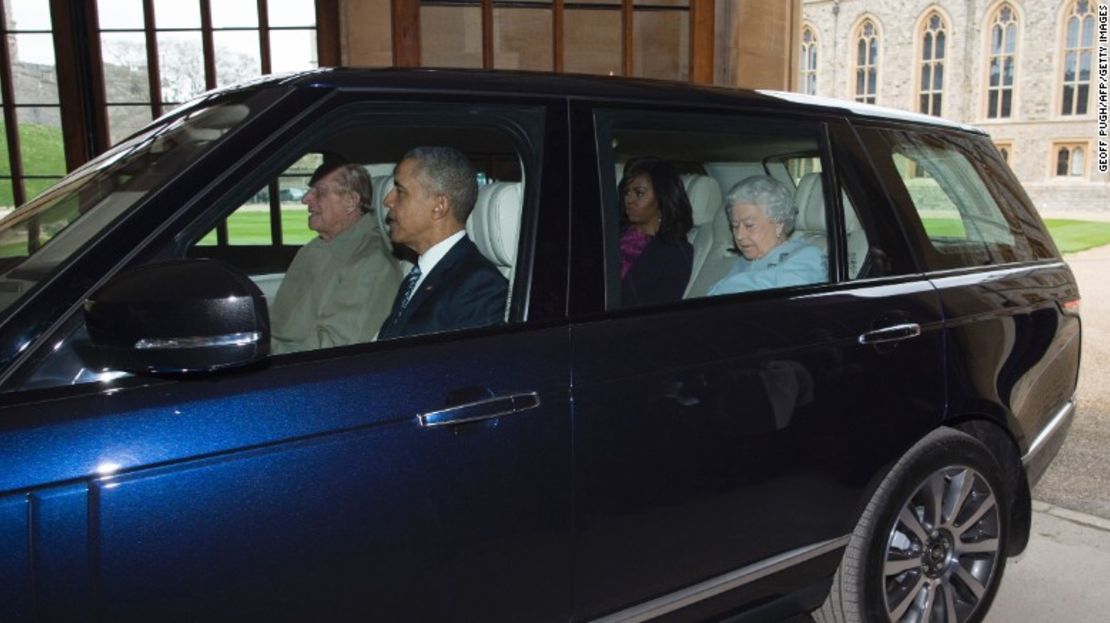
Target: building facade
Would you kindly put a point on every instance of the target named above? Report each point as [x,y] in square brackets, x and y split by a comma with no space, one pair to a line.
[1026,71]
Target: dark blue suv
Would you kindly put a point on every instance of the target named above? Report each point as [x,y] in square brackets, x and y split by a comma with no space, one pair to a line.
[858,440]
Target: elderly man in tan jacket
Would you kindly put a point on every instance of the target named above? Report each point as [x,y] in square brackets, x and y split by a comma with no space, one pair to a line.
[339,288]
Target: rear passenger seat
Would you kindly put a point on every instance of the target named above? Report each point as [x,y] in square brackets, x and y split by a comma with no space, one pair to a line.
[711,236]
[706,201]
[811,227]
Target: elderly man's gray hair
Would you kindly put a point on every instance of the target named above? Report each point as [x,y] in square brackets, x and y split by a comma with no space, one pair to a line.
[446,171]
[354,178]
[771,195]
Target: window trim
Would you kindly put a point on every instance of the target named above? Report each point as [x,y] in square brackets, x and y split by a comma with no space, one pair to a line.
[875,64]
[1008,145]
[1063,16]
[1018,17]
[1070,145]
[807,73]
[922,29]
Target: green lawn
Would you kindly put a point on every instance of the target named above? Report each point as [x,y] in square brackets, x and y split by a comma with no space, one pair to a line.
[1070,235]
[43,154]
[253,228]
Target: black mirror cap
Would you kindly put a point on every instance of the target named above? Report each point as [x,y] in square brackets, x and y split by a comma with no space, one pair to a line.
[178,316]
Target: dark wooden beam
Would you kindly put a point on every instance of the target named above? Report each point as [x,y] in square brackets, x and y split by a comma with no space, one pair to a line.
[208,44]
[264,37]
[702,26]
[626,36]
[328,49]
[558,19]
[406,33]
[487,34]
[154,71]
[80,81]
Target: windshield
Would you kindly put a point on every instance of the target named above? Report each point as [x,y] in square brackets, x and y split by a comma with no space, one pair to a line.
[37,238]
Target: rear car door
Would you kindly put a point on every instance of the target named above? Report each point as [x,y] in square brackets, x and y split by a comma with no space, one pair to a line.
[724,445]
[1012,331]
[308,486]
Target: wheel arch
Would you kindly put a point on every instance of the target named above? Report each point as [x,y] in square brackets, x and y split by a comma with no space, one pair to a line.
[1000,441]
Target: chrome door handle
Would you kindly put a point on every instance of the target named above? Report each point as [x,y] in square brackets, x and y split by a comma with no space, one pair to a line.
[479,410]
[893,333]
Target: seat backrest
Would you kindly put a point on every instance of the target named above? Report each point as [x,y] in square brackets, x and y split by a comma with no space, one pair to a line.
[494,225]
[858,246]
[810,224]
[719,258]
[382,185]
[705,200]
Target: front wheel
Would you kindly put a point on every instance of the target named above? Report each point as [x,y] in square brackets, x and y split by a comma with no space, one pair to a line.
[930,547]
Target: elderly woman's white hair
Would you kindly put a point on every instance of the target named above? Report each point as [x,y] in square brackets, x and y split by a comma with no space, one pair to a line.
[771,195]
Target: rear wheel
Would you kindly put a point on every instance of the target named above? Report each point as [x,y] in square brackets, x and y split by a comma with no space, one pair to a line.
[930,547]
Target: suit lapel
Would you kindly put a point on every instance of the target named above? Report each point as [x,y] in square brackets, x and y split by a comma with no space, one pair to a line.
[437,278]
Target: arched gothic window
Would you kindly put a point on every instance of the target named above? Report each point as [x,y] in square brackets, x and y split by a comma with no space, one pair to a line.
[1071,161]
[1079,42]
[867,62]
[1003,51]
[933,43]
[807,74]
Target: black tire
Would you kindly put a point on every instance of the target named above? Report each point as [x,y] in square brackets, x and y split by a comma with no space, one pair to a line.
[902,553]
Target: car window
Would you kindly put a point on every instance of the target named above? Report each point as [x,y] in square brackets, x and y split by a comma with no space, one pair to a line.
[705,206]
[328,288]
[43,235]
[956,218]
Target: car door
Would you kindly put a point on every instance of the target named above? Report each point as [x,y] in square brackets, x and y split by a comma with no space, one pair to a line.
[310,486]
[724,445]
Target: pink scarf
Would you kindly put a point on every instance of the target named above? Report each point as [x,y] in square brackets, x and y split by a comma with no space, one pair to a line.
[633,243]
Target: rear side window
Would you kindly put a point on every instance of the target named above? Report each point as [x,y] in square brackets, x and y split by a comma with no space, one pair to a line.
[950,206]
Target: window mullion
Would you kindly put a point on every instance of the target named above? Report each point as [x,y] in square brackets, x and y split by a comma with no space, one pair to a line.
[15,161]
[154,72]
[208,44]
[264,37]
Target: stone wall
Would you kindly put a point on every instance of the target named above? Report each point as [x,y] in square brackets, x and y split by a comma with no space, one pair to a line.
[1036,123]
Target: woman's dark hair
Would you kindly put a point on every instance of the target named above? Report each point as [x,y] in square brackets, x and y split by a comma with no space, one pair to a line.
[676,215]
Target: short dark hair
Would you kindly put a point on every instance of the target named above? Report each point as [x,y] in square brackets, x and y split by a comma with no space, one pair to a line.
[676,215]
[446,171]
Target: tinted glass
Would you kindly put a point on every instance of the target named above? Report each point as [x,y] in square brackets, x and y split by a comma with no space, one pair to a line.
[954,216]
[707,206]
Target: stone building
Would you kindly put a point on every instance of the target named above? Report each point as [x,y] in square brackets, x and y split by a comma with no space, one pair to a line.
[1026,71]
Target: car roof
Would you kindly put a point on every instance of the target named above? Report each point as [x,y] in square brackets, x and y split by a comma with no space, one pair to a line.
[583,86]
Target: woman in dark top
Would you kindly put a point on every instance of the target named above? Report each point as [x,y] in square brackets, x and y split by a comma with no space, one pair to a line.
[656,258]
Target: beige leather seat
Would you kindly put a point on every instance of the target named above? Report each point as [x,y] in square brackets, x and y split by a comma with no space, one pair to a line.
[494,226]
[811,227]
[706,202]
[382,185]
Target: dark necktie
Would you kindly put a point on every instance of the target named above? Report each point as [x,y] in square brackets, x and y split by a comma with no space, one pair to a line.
[408,286]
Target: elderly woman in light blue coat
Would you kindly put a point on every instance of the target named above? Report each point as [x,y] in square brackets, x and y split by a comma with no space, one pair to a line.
[761,212]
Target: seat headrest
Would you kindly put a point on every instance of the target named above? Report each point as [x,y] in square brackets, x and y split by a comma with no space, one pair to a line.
[705,197]
[810,201]
[382,185]
[851,220]
[494,225]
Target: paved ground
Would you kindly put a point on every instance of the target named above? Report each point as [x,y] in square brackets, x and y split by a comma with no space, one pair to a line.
[1079,478]
[1062,575]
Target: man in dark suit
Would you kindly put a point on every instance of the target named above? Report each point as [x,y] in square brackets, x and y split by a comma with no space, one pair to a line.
[452,286]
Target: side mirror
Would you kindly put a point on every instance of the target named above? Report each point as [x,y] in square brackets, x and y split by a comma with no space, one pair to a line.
[178,316]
